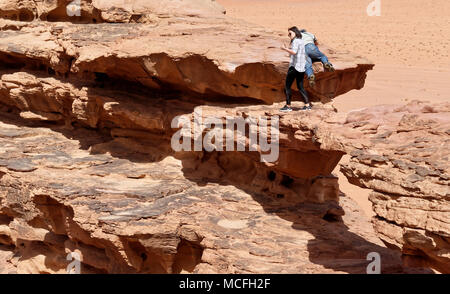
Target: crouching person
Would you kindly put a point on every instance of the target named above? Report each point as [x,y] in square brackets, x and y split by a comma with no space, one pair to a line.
[313,54]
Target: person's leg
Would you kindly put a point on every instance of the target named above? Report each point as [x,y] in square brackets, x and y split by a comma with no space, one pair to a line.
[322,57]
[309,68]
[315,53]
[290,77]
[300,76]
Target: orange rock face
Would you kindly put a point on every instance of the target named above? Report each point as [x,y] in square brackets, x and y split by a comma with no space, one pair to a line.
[95,11]
[159,52]
[406,164]
[127,203]
[87,166]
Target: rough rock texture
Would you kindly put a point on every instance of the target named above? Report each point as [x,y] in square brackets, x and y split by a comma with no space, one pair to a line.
[229,58]
[113,11]
[86,163]
[134,198]
[404,159]
[123,113]
[133,159]
[127,207]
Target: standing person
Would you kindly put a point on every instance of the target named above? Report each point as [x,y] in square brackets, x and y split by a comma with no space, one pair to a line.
[313,53]
[296,68]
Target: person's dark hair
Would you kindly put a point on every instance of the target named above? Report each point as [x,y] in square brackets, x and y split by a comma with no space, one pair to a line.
[297,32]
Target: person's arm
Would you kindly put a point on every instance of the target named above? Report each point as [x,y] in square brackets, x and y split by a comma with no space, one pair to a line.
[292,51]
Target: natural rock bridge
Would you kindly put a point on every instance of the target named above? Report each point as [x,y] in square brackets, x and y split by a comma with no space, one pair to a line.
[86,163]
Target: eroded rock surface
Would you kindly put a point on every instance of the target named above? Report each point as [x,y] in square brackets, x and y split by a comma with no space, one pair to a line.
[125,209]
[86,165]
[405,161]
[112,11]
[206,53]
[131,157]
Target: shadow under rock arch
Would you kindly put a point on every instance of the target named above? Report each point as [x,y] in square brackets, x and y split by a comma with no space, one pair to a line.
[335,246]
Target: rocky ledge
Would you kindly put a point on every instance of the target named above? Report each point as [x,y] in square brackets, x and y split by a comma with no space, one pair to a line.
[405,161]
[229,58]
[87,162]
[139,206]
[130,205]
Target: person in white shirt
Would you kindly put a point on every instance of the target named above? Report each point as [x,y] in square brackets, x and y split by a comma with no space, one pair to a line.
[297,67]
[313,54]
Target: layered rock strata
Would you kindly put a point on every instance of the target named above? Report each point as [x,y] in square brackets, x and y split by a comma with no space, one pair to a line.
[126,206]
[405,161]
[87,162]
[205,53]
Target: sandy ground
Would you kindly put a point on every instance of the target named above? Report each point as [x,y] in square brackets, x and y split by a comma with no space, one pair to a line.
[409,44]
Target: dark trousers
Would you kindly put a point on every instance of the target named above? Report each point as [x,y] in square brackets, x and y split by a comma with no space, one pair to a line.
[292,75]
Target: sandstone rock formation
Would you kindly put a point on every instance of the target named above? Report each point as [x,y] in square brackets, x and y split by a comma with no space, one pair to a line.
[127,206]
[135,188]
[161,54]
[96,11]
[86,163]
[405,161]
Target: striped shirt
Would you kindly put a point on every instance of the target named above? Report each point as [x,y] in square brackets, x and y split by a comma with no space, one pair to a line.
[298,60]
